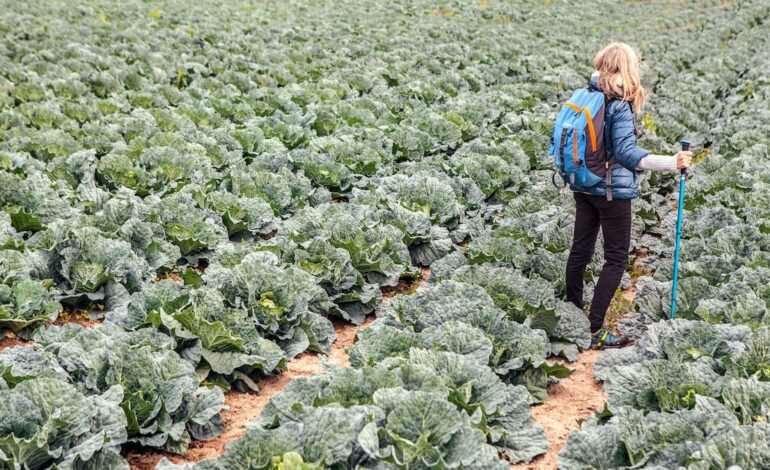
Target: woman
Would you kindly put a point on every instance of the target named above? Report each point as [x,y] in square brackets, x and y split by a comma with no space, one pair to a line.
[617,75]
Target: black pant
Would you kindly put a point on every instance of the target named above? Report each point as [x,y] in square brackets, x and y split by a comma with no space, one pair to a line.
[614,218]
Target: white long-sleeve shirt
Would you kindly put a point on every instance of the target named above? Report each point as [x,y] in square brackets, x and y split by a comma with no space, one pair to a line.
[657,163]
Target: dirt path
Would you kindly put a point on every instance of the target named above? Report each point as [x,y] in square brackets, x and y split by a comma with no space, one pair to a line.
[244,408]
[577,396]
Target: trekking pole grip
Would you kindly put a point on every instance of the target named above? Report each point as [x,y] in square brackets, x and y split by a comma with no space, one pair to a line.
[685,147]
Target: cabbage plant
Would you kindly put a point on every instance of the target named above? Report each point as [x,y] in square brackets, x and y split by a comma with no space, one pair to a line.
[223,344]
[162,401]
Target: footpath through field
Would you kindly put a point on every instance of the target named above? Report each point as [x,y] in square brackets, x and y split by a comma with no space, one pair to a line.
[578,396]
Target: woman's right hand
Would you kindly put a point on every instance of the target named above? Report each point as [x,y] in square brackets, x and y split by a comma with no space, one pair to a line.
[683,159]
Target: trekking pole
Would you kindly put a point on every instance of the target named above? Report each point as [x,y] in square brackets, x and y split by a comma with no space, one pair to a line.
[679,214]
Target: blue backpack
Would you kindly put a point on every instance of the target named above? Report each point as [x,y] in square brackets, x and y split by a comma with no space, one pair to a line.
[578,142]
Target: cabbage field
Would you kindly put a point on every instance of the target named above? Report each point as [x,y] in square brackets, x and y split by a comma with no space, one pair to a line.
[194,193]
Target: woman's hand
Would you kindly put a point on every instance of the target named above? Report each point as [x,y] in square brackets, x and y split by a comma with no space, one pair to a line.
[683,159]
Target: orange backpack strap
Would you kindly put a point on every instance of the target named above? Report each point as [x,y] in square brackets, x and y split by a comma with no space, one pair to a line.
[589,119]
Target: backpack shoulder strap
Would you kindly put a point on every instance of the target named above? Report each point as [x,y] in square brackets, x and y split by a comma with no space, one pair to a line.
[608,112]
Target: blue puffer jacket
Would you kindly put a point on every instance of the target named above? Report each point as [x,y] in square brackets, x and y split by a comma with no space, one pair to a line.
[622,135]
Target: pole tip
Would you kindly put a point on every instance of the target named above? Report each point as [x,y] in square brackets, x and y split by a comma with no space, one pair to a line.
[685,144]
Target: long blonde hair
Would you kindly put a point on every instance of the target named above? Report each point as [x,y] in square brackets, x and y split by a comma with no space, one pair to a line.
[618,60]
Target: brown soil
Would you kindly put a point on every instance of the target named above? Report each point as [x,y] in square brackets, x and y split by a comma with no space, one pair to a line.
[405,287]
[578,396]
[638,269]
[346,336]
[630,293]
[244,408]
[80,317]
[9,340]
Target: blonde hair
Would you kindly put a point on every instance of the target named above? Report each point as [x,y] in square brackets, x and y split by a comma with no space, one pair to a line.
[619,74]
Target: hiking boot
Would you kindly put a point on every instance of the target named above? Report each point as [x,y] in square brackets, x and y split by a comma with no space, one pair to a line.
[604,339]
